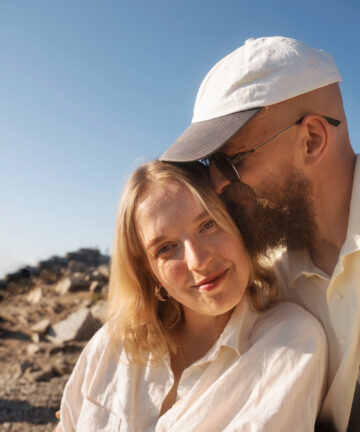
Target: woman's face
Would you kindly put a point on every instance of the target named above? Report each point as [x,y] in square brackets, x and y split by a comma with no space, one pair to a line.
[199,264]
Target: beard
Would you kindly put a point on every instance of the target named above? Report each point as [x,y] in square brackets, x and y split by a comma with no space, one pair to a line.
[280,216]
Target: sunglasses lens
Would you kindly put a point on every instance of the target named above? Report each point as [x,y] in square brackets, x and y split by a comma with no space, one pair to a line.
[225,166]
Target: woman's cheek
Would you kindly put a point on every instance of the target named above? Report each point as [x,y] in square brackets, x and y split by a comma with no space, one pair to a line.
[173,272]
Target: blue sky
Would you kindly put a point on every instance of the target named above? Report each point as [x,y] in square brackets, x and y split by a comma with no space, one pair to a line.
[89,89]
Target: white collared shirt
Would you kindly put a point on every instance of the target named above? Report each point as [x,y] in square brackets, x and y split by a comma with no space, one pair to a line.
[335,301]
[266,372]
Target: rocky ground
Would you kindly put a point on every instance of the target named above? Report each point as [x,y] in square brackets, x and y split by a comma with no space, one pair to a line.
[47,314]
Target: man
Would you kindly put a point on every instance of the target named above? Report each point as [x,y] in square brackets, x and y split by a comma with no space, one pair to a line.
[270,122]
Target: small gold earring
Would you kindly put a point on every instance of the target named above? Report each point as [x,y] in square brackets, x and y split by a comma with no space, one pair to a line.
[158,294]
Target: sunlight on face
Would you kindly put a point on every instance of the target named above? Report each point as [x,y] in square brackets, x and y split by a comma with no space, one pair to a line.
[199,264]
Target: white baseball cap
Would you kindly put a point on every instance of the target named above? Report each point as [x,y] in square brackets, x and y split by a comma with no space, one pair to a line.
[262,72]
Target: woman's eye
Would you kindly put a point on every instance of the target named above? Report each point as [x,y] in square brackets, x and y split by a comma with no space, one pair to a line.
[162,250]
[207,225]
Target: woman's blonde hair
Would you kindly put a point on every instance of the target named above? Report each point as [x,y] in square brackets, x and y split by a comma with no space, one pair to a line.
[136,317]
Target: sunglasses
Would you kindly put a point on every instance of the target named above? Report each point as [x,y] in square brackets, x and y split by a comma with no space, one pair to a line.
[227,164]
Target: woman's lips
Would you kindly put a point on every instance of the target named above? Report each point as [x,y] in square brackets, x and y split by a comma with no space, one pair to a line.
[212,281]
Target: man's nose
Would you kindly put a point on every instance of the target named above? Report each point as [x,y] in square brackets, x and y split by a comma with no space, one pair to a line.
[218,180]
[197,255]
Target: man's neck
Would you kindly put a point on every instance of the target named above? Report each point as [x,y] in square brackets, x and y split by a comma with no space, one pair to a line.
[332,220]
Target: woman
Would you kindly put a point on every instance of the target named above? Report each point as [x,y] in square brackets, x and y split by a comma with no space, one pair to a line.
[195,340]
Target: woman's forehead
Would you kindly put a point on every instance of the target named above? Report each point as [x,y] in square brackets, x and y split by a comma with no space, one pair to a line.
[165,210]
[163,194]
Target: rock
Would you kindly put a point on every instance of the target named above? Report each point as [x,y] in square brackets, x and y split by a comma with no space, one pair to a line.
[105,290]
[88,256]
[76,266]
[80,275]
[104,270]
[25,365]
[22,319]
[53,261]
[15,288]
[50,275]
[35,337]
[41,326]
[34,295]
[80,325]
[97,276]
[44,375]
[99,311]
[59,366]
[71,284]
[32,349]
[85,303]
[95,287]
[16,276]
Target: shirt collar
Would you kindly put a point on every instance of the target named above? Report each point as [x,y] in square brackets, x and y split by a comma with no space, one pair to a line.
[236,333]
[300,263]
[352,241]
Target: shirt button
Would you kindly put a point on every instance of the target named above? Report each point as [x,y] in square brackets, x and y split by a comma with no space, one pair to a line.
[337,297]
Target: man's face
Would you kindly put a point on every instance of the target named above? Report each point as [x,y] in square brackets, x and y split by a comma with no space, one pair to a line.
[273,203]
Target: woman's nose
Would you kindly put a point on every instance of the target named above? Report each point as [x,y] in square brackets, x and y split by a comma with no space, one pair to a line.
[197,256]
[218,180]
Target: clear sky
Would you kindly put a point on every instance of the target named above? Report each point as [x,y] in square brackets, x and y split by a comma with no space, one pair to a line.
[89,89]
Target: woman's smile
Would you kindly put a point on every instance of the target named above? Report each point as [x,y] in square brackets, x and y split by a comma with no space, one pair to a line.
[211,282]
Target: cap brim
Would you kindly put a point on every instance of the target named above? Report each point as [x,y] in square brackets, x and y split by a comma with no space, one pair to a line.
[201,139]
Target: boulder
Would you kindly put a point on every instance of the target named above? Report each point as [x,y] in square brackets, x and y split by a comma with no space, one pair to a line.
[35,337]
[71,284]
[32,349]
[80,325]
[95,287]
[98,311]
[41,326]
[104,270]
[76,267]
[50,274]
[34,295]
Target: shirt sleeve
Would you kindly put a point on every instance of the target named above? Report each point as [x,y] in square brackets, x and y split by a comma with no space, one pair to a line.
[78,383]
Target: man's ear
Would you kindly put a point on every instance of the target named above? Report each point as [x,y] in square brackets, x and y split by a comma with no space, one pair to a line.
[315,138]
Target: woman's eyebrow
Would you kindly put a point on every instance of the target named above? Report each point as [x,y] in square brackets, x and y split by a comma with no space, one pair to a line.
[153,242]
[201,216]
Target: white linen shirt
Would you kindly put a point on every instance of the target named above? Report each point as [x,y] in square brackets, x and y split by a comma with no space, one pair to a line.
[335,301]
[266,372]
